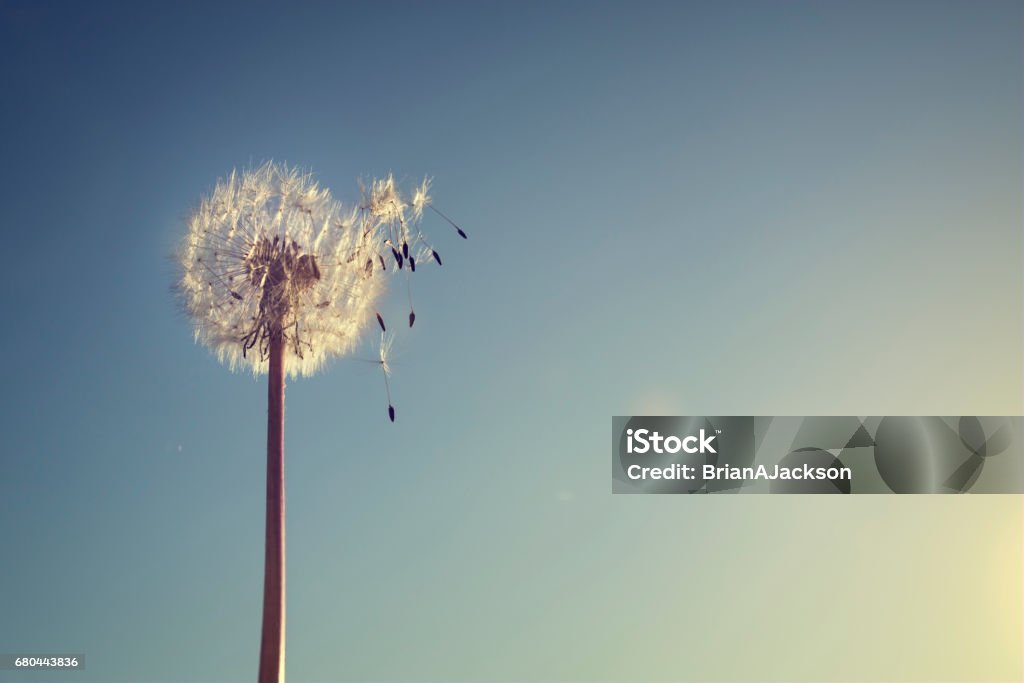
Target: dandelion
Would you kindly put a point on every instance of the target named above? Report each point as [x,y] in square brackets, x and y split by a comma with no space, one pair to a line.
[278,278]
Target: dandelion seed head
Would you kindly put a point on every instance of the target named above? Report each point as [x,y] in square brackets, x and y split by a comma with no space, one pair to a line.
[270,251]
[269,255]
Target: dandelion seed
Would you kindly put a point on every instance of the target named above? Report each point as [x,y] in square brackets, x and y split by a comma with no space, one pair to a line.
[383,202]
[412,318]
[386,341]
[421,199]
[437,257]
[385,349]
[459,230]
[381,321]
[412,264]
[405,249]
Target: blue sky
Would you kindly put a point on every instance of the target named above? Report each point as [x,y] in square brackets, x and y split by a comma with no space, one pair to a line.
[692,208]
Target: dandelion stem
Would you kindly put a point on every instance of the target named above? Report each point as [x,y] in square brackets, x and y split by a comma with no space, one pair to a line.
[272,641]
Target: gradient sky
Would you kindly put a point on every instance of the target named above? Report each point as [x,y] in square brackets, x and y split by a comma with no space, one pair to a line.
[678,208]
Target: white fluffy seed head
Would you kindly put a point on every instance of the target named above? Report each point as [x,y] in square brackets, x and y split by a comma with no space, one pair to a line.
[271,252]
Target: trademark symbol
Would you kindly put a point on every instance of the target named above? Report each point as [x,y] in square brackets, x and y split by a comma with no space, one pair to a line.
[718,431]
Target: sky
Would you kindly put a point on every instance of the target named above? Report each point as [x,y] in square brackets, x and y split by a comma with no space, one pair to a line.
[720,208]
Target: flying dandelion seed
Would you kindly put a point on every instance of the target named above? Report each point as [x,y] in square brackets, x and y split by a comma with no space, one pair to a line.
[462,233]
[278,278]
[421,199]
[385,350]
